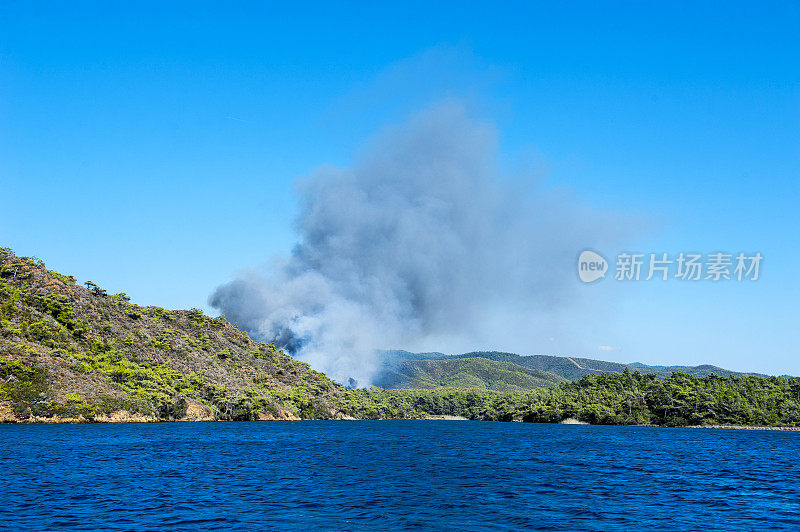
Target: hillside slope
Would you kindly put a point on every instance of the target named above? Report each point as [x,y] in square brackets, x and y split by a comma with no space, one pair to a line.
[702,370]
[72,352]
[570,368]
[573,368]
[472,373]
[403,369]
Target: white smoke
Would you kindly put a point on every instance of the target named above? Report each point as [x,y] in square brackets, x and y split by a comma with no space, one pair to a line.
[420,239]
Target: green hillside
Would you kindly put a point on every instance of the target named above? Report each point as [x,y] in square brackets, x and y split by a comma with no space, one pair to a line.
[627,398]
[570,368]
[474,373]
[573,368]
[702,370]
[72,352]
[402,369]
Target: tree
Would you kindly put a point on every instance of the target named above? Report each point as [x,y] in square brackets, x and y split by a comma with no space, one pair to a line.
[93,288]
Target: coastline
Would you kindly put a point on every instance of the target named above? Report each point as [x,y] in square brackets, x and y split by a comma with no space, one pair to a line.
[200,414]
[744,427]
[127,417]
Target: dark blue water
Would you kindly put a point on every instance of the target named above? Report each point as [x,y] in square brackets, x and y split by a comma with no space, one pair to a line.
[386,475]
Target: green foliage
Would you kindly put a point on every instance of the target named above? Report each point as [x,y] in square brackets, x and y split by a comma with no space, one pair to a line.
[94,289]
[570,368]
[23,385]
[473,373]
[14,269]
[60,308]
[628,398]
[195,315]
[45,333]
[302,401]
[247,406]
[66,279]
[161,344]
[9,328]
[159,313]
[157,386]
[75,406]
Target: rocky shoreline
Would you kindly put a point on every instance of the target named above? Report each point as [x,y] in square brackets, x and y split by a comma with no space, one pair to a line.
[744,427]
[196,415]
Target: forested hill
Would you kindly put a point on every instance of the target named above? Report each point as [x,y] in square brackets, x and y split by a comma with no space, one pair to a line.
[68,351]
[466,372]
[402,369]
[573,368]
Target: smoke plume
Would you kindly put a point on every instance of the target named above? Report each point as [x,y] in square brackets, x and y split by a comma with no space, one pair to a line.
[422,238]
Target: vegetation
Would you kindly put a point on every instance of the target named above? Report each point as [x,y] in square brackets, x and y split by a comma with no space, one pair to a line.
[74,353]
[402,369]
[474,373]
[629,398]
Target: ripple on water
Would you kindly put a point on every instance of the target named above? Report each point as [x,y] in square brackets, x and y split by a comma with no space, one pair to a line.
[396,474]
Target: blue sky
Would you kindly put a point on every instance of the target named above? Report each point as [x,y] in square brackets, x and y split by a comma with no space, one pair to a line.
[153,150]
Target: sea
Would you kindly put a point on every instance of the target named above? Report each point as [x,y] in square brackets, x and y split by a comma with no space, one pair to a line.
[396,475]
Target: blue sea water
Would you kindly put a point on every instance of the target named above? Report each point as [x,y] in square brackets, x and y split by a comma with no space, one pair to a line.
[387,475]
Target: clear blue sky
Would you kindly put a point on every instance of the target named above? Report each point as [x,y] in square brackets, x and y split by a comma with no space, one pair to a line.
[152,149]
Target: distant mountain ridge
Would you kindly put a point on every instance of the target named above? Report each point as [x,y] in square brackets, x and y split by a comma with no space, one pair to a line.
[698,371]
[500,371]
[466,372]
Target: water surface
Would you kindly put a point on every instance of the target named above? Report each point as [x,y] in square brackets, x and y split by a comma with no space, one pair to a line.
[383,475]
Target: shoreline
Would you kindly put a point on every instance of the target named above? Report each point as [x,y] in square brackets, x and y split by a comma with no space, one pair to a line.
[124,419]
[743,427]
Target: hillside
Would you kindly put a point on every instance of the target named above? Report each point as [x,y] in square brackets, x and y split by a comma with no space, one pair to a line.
[573,368]
[72,352]
[473,373]
[402,369]
[570,368]
[702,370]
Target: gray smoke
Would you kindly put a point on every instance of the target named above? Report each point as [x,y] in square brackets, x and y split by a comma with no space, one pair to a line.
[422,238]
